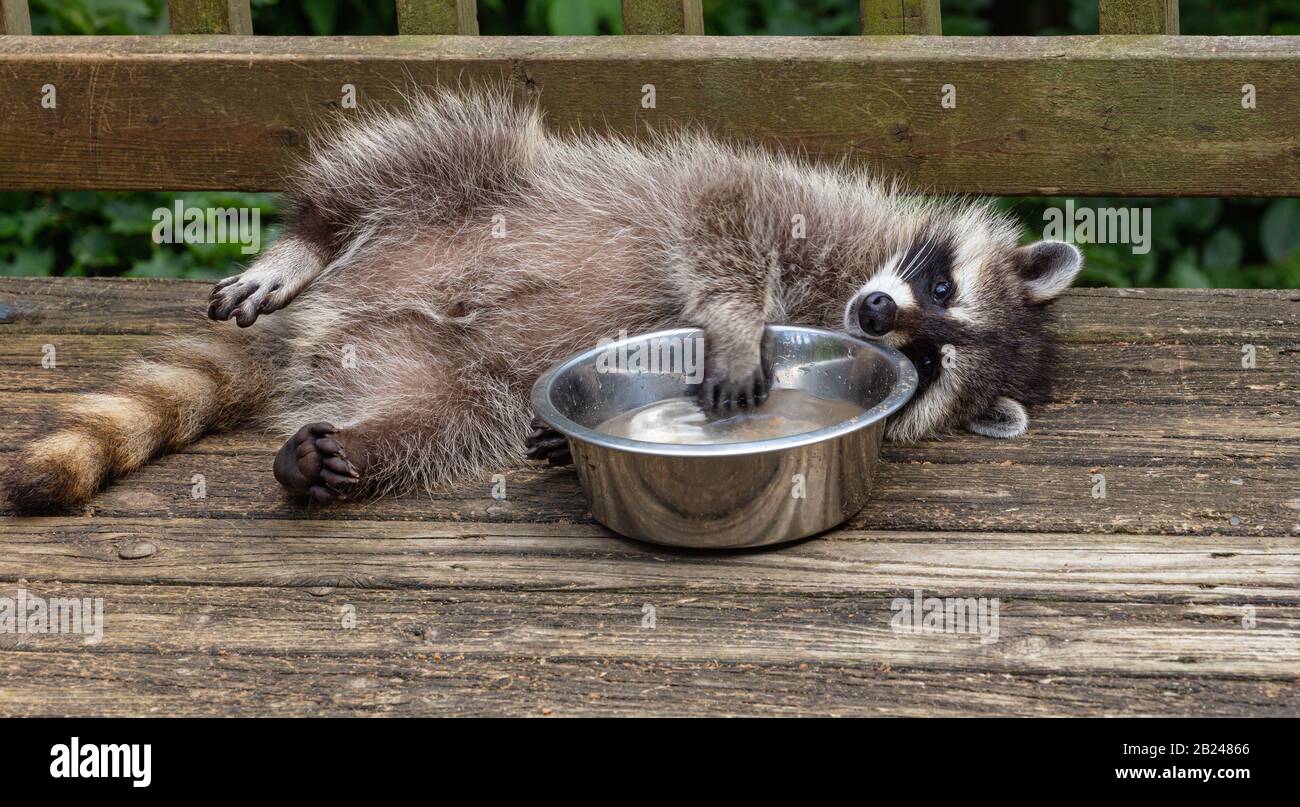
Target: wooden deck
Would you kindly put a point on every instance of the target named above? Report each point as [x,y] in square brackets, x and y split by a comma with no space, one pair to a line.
[1141,602]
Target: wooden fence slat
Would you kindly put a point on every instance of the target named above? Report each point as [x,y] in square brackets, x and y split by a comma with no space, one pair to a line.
[663,17]
[14,17]
[1085,115]
[437,17]
[901,17]
[210,17]
[1139,16]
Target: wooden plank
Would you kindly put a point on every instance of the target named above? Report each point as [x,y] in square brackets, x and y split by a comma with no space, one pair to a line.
[15,19]
[437,17]
[1138,16]
[1093,316]
[1035,115]
[901,17]
[426,684]
[438,631]
[364,552]
[1188,316]
[1028,637]
[210,17]
[663,17]
[963,484]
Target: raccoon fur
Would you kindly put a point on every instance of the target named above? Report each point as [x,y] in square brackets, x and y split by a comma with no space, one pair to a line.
[438,258]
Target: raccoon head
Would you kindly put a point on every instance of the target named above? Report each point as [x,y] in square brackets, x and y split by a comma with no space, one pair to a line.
[969,308]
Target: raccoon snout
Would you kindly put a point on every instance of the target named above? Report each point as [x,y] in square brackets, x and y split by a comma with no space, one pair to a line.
[877,313]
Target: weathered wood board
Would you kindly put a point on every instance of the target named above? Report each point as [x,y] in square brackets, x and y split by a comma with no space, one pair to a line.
[648,17]
[1093,115]
[437,17]
[1178,593]
[1138,16]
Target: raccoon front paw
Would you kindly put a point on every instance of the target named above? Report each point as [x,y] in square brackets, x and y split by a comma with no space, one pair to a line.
[313,463]
[545,443]
[724,393]
[247,296]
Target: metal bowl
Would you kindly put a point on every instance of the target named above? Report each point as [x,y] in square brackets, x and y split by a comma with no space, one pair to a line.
[730,494]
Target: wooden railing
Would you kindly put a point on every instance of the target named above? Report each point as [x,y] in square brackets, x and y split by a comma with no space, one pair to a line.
[1115,114]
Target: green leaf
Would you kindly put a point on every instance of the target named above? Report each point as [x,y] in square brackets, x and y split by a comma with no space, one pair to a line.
[322,14]
[1289,276]
[14,201]
[1145,271]
[1196,213]
[1106,265]
[129,216]
[209,273]
[10,223]
[34,221]
[583,17]
[81,201]
[163,263]
[1186,274]
[1279,230]
[29,262]
[1222,251]
[93,247]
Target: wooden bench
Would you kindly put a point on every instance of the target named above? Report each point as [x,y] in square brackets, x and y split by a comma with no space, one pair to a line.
[1176,592]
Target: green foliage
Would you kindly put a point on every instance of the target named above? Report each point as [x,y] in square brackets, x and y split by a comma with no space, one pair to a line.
[1195,242]
[1216,17]
[783,17]
[579,18]
[84,233]
[324,17]
[98,16]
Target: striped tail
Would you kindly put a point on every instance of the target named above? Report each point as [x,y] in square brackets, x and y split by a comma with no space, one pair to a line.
[164,403]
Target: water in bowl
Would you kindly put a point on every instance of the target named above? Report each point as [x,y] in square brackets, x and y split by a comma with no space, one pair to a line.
[680,421]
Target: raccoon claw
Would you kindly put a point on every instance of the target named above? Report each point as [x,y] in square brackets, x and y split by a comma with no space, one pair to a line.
[726,396]
[244,297]
[312,463]
[545,443]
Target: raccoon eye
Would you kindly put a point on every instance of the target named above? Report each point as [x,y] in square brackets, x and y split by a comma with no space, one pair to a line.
[925,360]
[941,291]
[925,363]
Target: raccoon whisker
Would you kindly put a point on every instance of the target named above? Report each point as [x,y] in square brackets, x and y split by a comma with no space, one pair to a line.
[931,246]
[917,259]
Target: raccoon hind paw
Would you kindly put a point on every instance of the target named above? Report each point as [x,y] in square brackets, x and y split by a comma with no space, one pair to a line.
[546,444]
[315,464]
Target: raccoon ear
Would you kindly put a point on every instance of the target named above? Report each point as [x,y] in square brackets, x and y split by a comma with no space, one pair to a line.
[1047,268]
[1003,418]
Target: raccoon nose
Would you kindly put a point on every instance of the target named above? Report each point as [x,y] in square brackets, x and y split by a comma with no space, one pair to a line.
[877,313]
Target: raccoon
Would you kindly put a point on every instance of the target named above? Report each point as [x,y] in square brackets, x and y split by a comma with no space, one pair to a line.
[436,259]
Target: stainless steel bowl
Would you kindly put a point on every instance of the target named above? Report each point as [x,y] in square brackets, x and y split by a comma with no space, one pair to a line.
[730,494]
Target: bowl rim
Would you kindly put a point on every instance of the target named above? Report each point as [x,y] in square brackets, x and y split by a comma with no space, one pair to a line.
[901,392]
